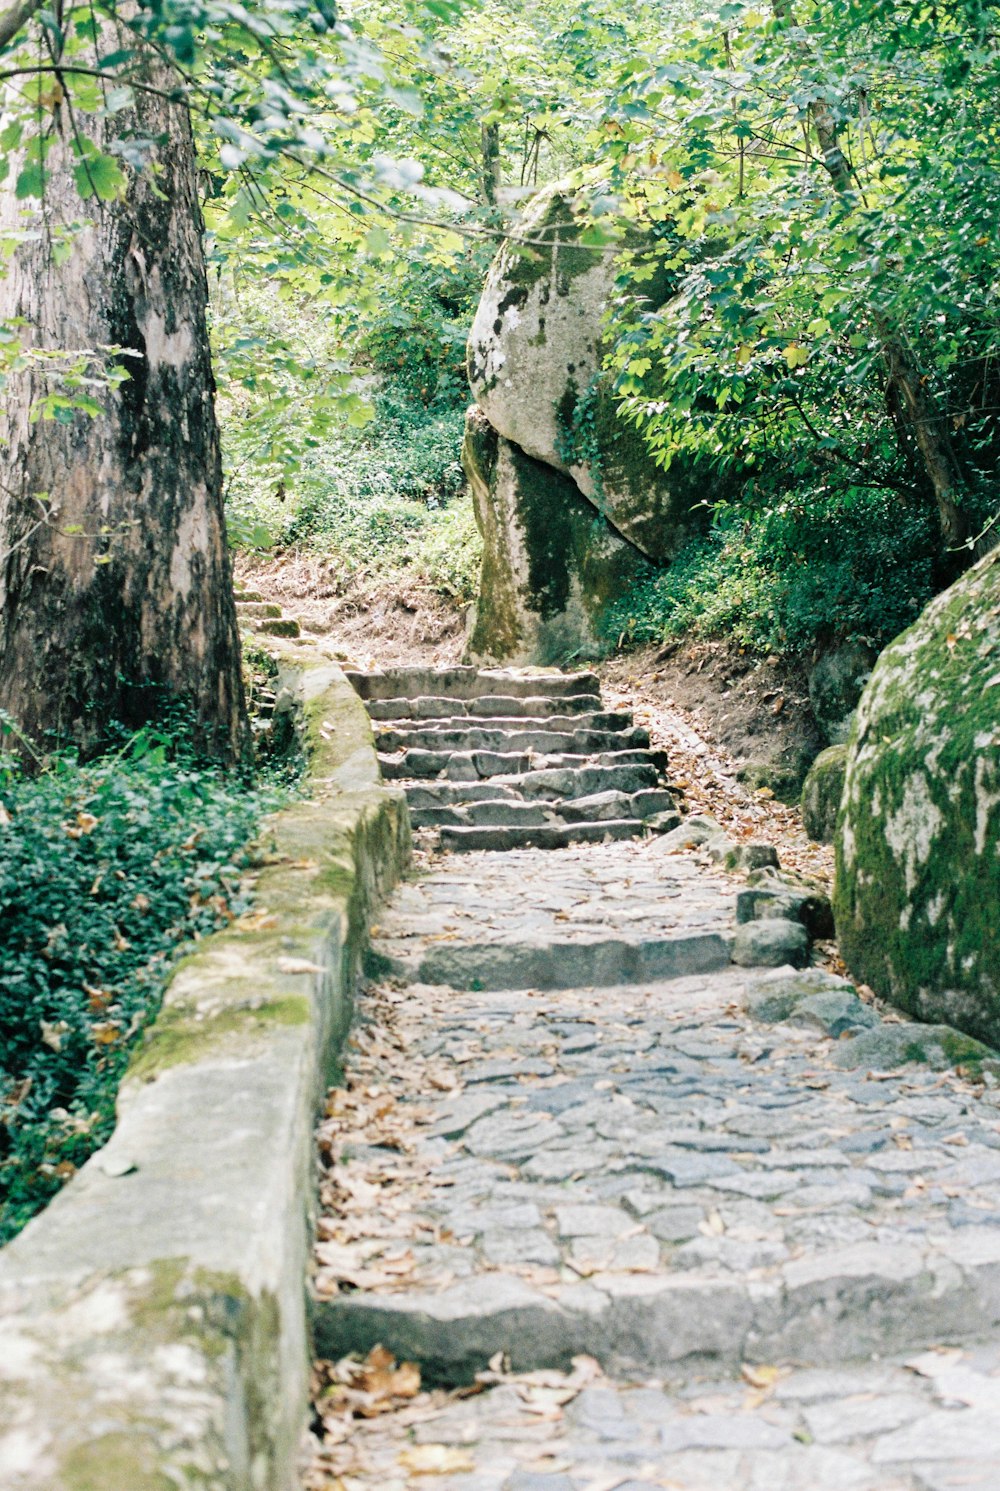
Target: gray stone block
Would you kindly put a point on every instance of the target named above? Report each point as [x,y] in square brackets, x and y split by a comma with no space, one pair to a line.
[769,943]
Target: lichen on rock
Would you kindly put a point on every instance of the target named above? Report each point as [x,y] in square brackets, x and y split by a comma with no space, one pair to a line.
[821,793]
[587,503]
[918,851]
[551,563]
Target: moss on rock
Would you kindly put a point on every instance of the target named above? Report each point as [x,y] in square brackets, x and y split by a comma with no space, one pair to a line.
[917,897]
[535,368]
[821,794]
[551,563]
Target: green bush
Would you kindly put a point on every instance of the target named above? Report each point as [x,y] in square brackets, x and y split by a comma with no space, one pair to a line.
[792,577]
[106,869]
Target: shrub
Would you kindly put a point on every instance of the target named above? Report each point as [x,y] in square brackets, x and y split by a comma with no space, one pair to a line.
[106,869]
[792,577]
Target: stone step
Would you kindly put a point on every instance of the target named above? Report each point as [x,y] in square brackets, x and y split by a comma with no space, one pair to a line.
[584,780]
[469,683]
[545,741]
[848,1305]
[473,766]
[498,811]
[552,836]
[440,706]
[455,766]
[247,595]
[612,804]
[562,724]
[554,962]
[257,608]
[283,626]
[496,814]
[447,794]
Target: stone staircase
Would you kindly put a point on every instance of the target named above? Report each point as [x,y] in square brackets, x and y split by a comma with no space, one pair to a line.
[259,615]
[498,759]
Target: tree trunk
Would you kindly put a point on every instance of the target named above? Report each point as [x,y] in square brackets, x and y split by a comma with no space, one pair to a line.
[930,429]
[115,580]
[489,135]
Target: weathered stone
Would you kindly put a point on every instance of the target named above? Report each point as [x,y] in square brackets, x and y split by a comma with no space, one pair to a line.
[769,897]
[535,369]
[154,1329]
[774,998]
[770,942]
[504,814]
[753,856]
[936,1046]
[666,822]
[598,805]
[836,681]
[463,840]
[551,562]
[834,1013]
[918,867]
[822,791]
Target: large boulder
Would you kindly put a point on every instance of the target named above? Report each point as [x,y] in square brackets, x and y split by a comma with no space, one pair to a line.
[836,682]
[535,354]
[821,793]
[551,563]
[918,855]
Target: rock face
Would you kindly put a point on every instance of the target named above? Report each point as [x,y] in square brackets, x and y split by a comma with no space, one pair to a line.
[821,793]
[551,562]
[836,681]
[570,480]
[918,855]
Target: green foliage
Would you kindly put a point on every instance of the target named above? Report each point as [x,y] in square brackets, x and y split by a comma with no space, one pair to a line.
[806,272]
[386,493]
[106,871]
[800,574]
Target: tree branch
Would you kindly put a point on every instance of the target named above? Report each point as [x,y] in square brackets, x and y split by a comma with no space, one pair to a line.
[13,17]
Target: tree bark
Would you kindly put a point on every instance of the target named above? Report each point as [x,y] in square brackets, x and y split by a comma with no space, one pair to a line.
[115,580]
[489,135]
[930,429]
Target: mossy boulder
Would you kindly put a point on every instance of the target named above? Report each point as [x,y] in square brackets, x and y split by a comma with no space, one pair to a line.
[836,682]
[821,794]
[551,563]
[535,358]
[917,898]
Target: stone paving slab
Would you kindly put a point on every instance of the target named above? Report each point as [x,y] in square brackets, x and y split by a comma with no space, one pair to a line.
[924,1423]
[669,1180]
[677,1176]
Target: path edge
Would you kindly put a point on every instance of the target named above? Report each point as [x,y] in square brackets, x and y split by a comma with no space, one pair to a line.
[153,1319]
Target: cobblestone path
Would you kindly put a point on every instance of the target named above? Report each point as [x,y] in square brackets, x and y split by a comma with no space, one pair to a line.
[715,1227]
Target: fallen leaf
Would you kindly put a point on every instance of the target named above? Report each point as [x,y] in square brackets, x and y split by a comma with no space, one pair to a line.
[760,1377]
[436,1459]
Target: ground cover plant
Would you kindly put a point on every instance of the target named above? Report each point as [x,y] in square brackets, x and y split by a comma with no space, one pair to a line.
[795,576]
[107,869]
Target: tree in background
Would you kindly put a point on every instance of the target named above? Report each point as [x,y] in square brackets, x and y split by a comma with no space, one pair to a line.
[821,177]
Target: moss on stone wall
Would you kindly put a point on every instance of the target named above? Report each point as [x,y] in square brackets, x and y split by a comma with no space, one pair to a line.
[180,1035]
[918,853]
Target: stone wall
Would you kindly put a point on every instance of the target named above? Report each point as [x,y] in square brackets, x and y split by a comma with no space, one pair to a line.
[153,1320]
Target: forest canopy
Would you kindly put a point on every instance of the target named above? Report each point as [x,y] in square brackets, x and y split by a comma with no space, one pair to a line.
[817,183]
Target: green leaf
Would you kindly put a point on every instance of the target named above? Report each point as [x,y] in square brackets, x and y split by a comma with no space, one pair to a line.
[100,176]
[30,182]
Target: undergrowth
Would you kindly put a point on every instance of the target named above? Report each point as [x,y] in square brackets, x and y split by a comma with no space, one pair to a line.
[793,578]
[106,870]
[386,498]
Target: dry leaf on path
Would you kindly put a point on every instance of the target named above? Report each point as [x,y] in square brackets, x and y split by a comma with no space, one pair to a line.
[436,1459]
